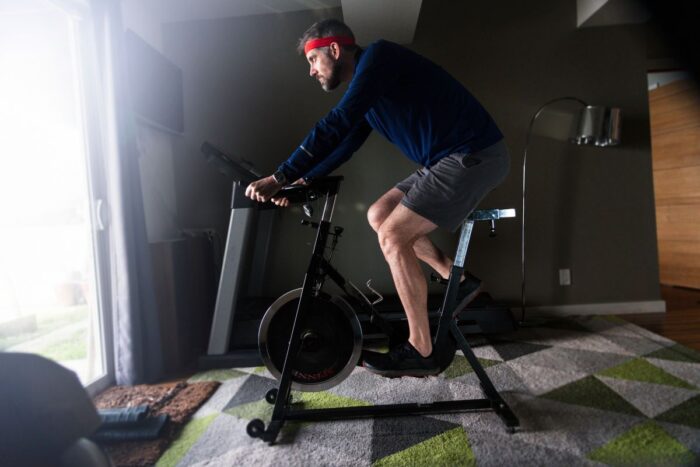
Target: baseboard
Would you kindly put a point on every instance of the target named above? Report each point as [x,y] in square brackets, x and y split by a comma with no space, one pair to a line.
[613,308]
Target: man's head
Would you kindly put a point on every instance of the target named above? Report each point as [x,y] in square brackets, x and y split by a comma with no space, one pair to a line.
[329,47]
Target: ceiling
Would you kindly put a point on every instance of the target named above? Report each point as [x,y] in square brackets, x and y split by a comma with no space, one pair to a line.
[393,20]
[592,13]
[189,10]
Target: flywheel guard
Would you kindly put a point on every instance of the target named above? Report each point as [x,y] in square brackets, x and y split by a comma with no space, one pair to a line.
[331,340]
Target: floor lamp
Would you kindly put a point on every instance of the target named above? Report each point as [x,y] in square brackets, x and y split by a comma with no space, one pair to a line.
[596,126]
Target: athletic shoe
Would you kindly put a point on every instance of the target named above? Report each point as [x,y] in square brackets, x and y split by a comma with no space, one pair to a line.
[468,290]
[402,360]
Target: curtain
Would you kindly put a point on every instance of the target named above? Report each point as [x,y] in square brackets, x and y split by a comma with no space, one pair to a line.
[138,356]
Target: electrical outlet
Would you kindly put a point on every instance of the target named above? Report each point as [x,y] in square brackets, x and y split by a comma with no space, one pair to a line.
[565,277]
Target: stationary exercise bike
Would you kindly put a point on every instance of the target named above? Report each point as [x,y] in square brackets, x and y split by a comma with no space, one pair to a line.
[335,328]
[310,340]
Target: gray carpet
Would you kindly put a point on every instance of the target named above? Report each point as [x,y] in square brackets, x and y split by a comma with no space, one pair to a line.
[587,391]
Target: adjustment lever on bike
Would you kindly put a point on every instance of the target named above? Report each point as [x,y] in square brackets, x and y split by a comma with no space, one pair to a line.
[492,230]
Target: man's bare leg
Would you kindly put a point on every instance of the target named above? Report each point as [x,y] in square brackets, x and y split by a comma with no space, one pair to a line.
[423,247]
[397,237]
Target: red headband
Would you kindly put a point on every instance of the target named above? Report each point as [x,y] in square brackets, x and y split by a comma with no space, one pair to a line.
[326,41]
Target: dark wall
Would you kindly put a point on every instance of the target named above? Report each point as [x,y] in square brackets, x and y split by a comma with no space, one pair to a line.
[590,210]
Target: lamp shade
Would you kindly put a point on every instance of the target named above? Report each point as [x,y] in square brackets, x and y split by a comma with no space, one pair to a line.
[599,126]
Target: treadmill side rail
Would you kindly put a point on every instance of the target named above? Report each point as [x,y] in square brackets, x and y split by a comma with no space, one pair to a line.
[229,281]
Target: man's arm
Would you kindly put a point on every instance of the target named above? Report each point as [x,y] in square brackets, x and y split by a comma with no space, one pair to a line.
[343,152]
[265,189]
[375,73]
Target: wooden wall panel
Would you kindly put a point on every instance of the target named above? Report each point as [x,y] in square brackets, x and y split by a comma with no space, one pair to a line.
[674,112]
[680,185]
[679,148]
[677,223]
[676,105]
[678,264]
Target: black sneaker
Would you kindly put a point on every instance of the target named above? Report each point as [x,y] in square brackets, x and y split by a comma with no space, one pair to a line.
[468,290]
[402,360]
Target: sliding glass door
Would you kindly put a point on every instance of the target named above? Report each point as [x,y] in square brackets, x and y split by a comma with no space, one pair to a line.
[53,269]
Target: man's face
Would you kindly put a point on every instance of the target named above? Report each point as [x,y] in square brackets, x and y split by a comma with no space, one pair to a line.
[324,68]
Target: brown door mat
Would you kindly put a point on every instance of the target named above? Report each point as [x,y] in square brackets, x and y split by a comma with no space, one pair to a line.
[179,400]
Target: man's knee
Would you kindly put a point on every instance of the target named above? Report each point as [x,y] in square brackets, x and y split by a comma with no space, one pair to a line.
[376,215]
[382,208]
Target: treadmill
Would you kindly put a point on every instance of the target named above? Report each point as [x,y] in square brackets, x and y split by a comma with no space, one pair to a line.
[239,307]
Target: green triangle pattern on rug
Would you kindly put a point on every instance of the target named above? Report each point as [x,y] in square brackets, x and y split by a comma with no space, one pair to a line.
[645,444]
[217,375]
[259,409]
[678,353]
[447,449]
[591,392]
[687,413]
[396,434]
[308,400]
[641,370]
[460,366]
[325,400]
[189,435]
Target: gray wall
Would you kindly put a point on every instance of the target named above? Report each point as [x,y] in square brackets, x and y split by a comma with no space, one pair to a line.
[590,210]
[155,145]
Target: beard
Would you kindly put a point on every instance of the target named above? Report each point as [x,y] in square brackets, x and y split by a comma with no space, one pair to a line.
[332,81]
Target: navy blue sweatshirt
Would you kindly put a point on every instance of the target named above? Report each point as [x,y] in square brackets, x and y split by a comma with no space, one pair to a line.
[408,99]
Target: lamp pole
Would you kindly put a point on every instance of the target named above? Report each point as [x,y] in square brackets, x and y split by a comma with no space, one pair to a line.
[522,223]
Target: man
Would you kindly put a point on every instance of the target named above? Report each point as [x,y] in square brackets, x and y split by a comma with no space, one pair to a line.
[437,123]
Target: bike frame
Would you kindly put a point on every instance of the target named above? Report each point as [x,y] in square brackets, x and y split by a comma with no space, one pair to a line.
[314,278]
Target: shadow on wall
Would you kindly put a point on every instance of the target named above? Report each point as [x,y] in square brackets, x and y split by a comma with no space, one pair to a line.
[254,98]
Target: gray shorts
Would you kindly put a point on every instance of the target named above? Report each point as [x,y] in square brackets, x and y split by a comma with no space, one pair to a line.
[450,190]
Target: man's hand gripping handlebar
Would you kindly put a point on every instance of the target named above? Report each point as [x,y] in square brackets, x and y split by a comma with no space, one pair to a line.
[265,189]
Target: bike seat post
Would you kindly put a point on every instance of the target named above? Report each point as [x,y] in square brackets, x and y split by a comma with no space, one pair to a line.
[450,298]
[463,245]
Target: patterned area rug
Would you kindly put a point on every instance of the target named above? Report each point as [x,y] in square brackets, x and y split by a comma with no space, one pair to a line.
[587,391]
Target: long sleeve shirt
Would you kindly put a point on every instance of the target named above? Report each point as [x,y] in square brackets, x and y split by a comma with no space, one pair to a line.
[405,97]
